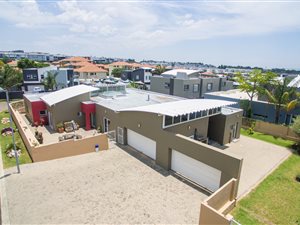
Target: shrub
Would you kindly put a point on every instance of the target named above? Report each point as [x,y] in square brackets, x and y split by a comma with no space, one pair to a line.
[298,177]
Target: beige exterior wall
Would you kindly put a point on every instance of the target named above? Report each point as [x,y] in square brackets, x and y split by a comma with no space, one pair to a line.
[56,150]
[215,209]
[68,110]
[28,108]
[69,148]
[86,75]
[166,140]
[276,130]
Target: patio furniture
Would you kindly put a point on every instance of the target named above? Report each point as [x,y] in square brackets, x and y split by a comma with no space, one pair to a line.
[70,126]
[69,136]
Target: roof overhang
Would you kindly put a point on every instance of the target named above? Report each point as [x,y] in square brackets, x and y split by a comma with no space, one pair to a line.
[181,107]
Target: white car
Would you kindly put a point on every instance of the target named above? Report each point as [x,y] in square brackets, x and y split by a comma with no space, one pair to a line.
[37,89]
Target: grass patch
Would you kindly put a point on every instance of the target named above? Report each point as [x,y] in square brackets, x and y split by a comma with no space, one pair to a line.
[268,138]
[276,200]
[5,140]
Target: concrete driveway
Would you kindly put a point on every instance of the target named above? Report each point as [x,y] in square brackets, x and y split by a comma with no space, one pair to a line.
[260,159]
[106,187]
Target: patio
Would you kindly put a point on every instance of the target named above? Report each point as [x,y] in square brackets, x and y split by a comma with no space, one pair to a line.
[50,136]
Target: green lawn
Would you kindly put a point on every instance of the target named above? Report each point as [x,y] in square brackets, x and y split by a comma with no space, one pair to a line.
[5,140]
[276,200]
[268,138]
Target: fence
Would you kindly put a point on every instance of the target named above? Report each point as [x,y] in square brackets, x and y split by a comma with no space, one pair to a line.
[276,130]
[214,210]
[12,95]
[59,149]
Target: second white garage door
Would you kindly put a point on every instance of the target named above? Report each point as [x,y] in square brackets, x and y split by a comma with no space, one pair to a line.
[141,143]
[196,171]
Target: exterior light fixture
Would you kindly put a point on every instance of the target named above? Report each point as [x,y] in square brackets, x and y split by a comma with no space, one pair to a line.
[139,125]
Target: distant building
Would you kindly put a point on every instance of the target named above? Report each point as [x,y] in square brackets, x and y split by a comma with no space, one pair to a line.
[142,74]
[188,83]
[33,77]
[35,56]
[123,65]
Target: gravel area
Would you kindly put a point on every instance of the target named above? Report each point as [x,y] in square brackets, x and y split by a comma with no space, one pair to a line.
[112,186]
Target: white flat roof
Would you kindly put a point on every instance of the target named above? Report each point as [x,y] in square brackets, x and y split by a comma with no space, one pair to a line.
[181,107]
[175,71]
[66,93]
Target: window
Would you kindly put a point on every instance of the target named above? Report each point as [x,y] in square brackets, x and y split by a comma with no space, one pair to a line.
[184,117]
[219,109]
[215,110]
[186,87]
[42,76]
[168,120]
[167,85]
[196,88]
[137,77]
[177,119]
[192,116]
[204,113]
[199,114]
[210,112]
[209,86]
[43,113]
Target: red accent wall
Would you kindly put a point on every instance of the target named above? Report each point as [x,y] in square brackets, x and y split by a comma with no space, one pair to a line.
[87,109]
[36,107]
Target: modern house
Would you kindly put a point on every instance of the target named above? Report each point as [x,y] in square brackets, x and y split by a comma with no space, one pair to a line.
[90,71]
[261,110]
[173,131]
[188,83]
[122,65]
[142,74]
[33,77]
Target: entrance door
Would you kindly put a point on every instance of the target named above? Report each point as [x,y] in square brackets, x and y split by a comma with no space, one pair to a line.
[106,124]
[93,120]
[50,119]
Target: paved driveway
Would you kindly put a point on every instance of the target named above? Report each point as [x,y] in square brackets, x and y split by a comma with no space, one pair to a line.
[107,187]
[260,158]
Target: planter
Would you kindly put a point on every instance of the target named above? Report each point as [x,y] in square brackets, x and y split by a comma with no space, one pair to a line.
[60,130]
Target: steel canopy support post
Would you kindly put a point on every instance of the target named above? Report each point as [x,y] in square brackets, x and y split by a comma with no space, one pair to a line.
[12,132]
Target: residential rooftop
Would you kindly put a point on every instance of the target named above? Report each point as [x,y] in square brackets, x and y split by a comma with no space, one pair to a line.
[234,94]
[132,98]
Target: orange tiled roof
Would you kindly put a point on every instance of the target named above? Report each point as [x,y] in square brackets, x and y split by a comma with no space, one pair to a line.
[90,68]
[13,63]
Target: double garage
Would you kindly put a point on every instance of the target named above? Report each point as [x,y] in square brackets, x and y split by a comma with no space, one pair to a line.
[194,170]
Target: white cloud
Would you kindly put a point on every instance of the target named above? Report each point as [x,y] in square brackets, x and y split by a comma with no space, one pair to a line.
[136,25]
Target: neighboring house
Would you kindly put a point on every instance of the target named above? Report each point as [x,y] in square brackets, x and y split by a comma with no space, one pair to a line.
[71,60]
[168,129]
[90,71]
[122,65]
[261,110]
[33,77]
[142,74]
[188,83]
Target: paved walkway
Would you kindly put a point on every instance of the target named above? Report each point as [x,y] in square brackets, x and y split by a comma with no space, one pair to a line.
[260,158]
[111,186]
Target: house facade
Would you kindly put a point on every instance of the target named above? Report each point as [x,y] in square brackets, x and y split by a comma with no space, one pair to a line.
[33,77]
[175,132]
[188,84]
[143,74]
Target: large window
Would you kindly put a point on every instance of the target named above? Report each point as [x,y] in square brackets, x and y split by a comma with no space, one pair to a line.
[184,117]
[209,86]
[192,116]
[43,113]
[177,119]
[196,88]
[168,120]
[186,87]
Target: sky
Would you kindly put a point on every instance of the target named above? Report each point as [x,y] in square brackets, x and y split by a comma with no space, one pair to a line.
[254,33]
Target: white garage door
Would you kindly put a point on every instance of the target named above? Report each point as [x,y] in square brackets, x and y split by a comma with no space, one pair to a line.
[196,171]
[141,143]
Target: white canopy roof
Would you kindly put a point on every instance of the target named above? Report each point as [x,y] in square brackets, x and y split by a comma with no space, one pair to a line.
[181,107]
[295,82]
[66,93]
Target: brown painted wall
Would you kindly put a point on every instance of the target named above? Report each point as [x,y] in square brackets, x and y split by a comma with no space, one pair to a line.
[69,148]
[214,210]
[200,124]
[28,108]
[276,130]
[151,127]
[67,110]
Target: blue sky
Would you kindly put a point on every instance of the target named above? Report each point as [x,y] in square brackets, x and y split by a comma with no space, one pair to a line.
[253,33]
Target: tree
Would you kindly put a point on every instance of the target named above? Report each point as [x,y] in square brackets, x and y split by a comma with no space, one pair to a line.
[27,63]
[116,72]
[254,84]
[159,69]
[50,81]
[282,96]
[1,64]
[10,77]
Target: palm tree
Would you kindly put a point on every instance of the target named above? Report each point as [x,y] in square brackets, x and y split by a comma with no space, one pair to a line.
[159,69]
[50,80]
[10,77]
[283,97]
